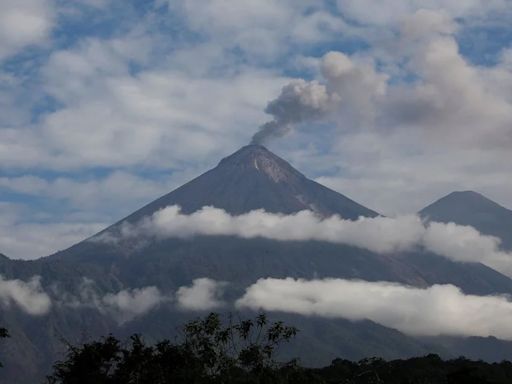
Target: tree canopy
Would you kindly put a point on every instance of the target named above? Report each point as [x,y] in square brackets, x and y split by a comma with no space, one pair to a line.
[242,351]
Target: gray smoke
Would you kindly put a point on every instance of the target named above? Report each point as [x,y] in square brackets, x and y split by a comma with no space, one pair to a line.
[349,90]
[299,101]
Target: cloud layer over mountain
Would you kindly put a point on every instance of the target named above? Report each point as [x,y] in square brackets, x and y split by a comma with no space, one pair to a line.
[28,296]
[437,310]
[379,234]
[205,294]
[431,311]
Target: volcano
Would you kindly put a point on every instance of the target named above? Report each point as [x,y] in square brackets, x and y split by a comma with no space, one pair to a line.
[255,178]
[251,178]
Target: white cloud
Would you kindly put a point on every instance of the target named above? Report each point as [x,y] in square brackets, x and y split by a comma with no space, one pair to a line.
[128,304]
[124,305]
[378,234]
[450,97]
[28,296]
[437,310]
[433,122]
[466,244]
[262,30]
[445,127]
[204,294]
[392,12]
[150,117]
[24,23]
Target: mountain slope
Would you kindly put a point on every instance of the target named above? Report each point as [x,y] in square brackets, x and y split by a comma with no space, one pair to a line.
[254,178]
[474,209]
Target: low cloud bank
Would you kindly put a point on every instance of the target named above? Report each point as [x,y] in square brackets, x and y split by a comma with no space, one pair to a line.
[432,311]
[131,303]
[437,310]
[204,294]
[378,234]
[28,296]
[126,305]
[123,306]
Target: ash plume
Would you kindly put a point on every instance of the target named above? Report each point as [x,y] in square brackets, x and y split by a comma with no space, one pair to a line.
[348,89]
[299,102]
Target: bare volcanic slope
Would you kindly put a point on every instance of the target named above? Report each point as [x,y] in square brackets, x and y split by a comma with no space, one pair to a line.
[254,178]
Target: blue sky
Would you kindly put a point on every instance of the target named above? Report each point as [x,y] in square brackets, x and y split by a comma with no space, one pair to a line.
[108,104]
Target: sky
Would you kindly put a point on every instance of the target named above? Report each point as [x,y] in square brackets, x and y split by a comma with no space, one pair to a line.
[106,105]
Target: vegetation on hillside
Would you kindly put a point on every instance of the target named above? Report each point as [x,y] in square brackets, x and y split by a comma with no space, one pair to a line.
[243,351]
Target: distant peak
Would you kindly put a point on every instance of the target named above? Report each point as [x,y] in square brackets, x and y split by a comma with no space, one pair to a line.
[259,158]
[466,196]
[465,193]
[464,200]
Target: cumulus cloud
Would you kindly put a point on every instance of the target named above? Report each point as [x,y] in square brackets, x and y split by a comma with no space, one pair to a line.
[448,97]
[437,310]
[263,30]
[108,107]
[378,234]
[442,122]
[24,23]
[439,119]
[204,294]
[28,296]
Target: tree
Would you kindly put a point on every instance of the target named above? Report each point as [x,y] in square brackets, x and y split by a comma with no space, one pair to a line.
[3,334]
[241,351]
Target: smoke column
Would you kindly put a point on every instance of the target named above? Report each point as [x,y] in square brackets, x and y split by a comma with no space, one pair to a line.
[299,101]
